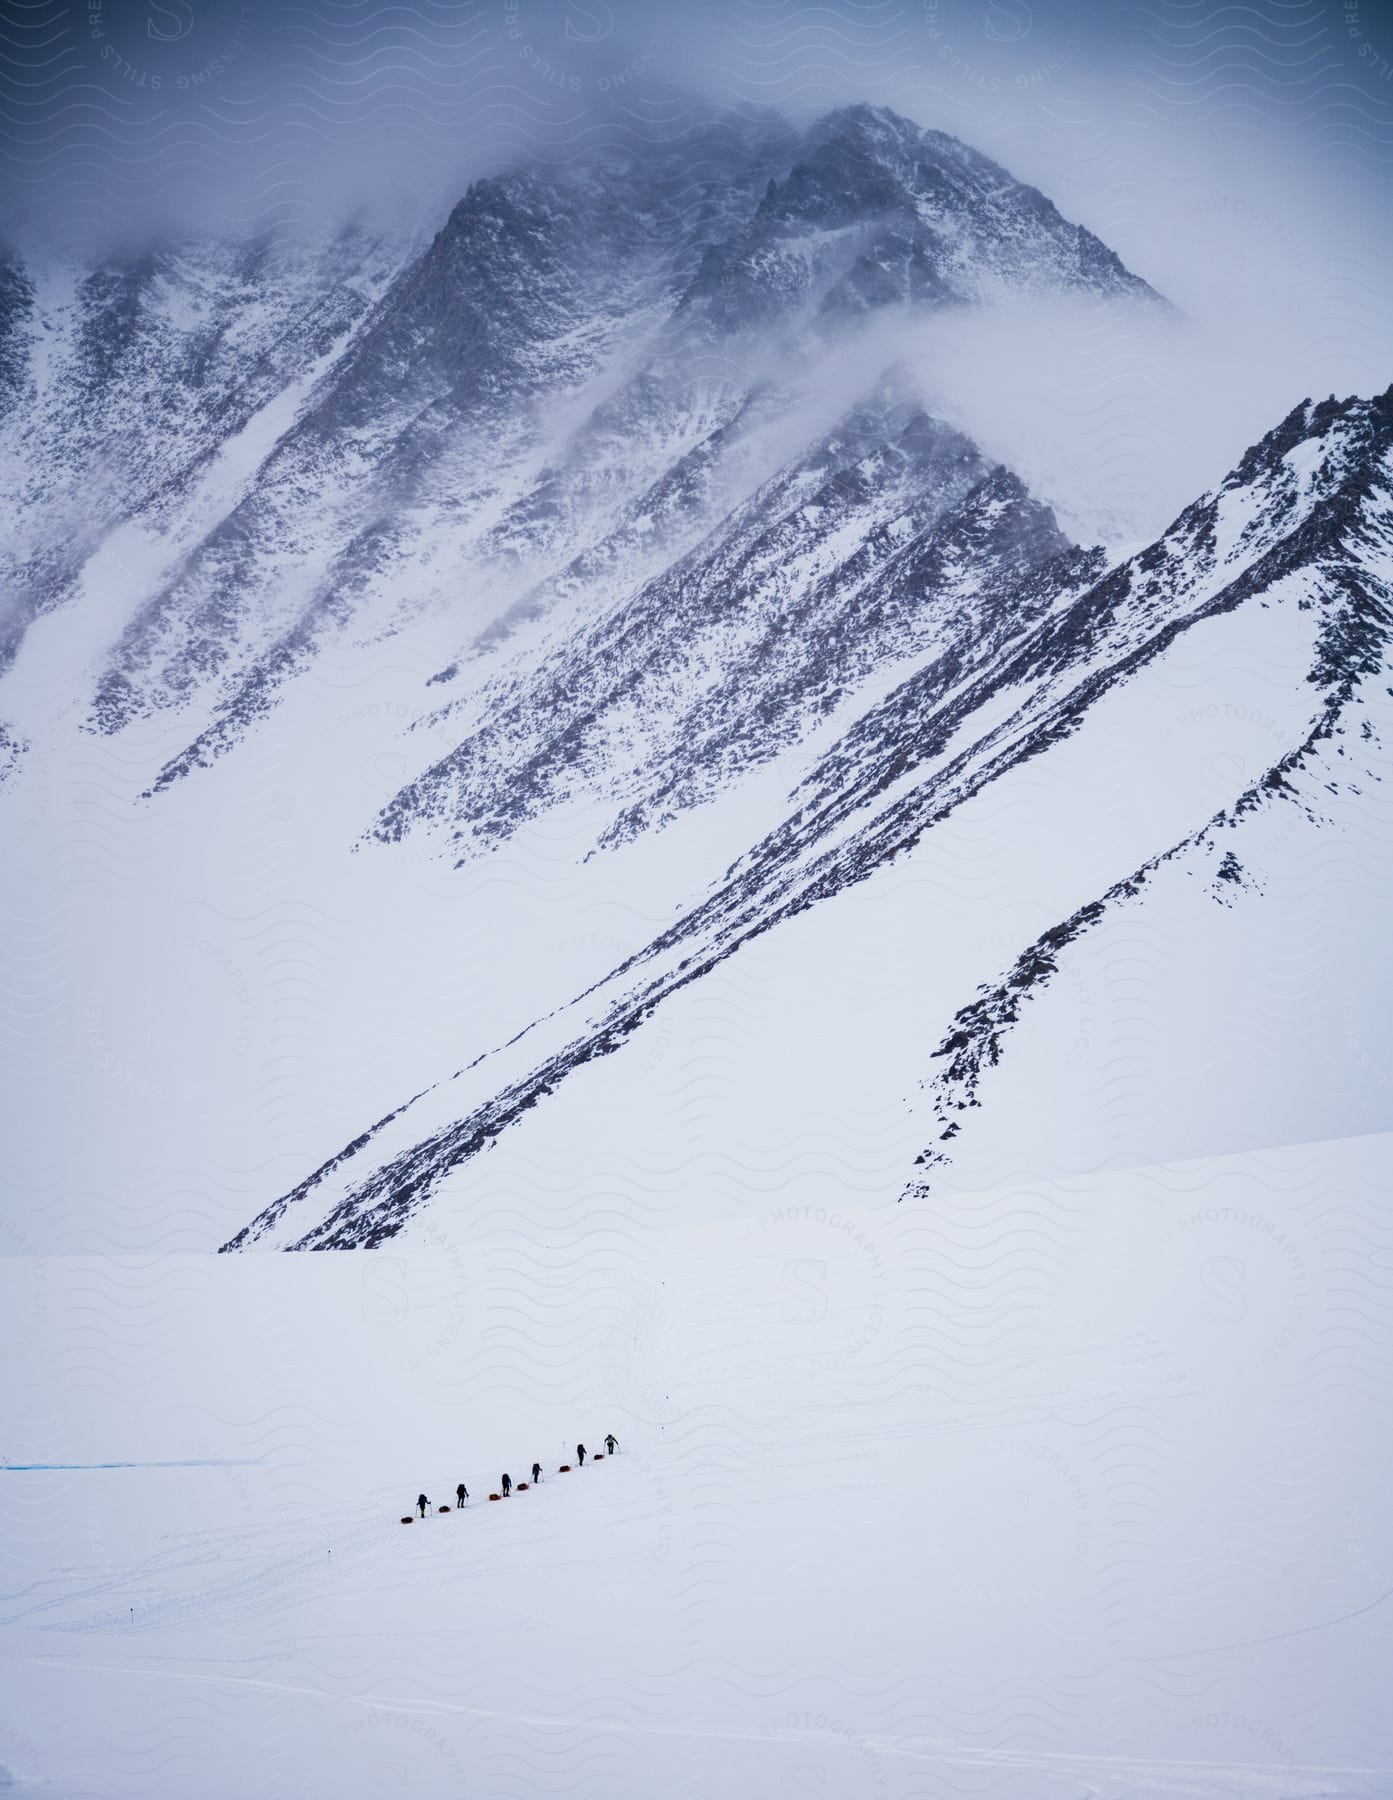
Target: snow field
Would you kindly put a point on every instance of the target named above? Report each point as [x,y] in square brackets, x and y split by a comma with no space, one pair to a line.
[1108,1433]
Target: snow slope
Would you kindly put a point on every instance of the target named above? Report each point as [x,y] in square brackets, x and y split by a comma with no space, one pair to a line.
[1066,728]
[1104,1433]
[362,608]
[544,759]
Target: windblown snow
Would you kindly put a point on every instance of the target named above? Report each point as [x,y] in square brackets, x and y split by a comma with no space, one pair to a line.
[539,757]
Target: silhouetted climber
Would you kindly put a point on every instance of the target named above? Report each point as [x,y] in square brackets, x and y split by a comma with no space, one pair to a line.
[461,1494]
[611,1443]
[507,1485]
[423,1503]
[580,1454]
[536,1472]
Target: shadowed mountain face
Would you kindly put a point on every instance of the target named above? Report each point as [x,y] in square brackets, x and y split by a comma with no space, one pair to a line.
[875,211]
[16,306]
[570,335]
[849,561]
[620,490]
[120,383]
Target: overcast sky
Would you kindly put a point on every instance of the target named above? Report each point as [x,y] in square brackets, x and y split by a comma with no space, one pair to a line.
[114,108]
[1240,158]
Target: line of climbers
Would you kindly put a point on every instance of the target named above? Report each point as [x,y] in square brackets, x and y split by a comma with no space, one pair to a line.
[506,1484]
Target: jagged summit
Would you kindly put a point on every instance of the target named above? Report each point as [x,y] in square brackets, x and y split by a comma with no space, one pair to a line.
[1351,427]
[882,131]
[875,210]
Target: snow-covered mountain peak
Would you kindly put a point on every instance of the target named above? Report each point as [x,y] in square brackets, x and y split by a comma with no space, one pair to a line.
[1316,448]
[874,210]
[586,752]
[1313,468]
[591,365]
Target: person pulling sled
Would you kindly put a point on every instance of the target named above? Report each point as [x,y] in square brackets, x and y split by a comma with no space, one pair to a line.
[423,1503]
[580,1454]
[611,1443]
[536,1473]
[461,1494]
[507,1485]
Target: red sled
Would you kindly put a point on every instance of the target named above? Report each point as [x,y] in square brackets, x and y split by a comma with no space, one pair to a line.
[495,1496]
[599,1458]
[408,1520]
[523,1486]
[443,1509]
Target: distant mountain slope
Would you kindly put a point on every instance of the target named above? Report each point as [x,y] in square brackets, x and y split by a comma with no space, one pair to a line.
[1297,543]
[611,513]
[1291,894]
[891,533]
[122,378]
[561,394]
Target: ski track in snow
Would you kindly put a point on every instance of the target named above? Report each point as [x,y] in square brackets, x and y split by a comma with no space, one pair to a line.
[1255,1778]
